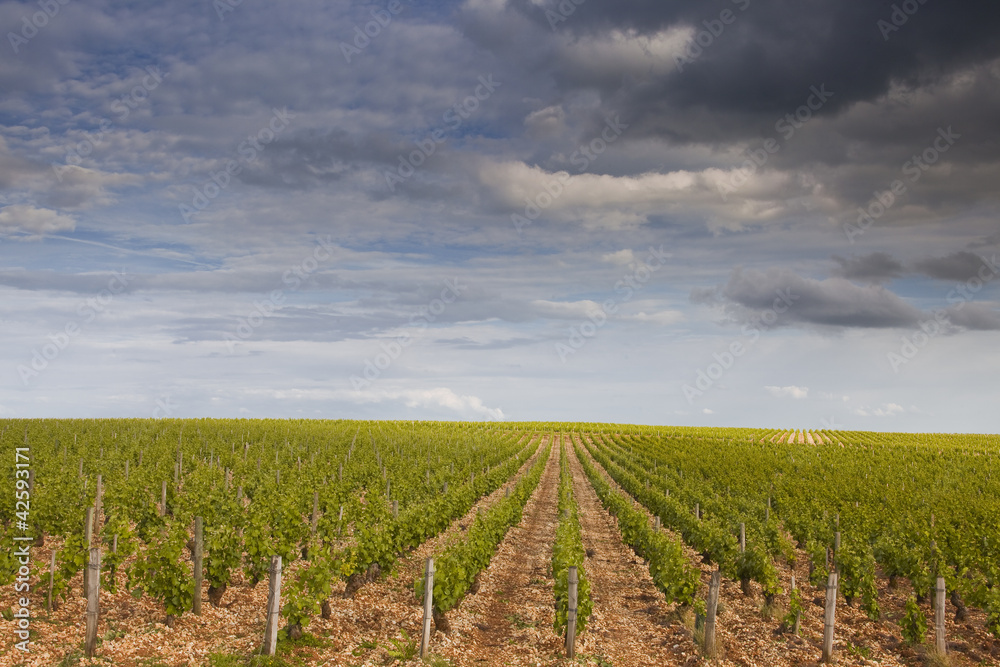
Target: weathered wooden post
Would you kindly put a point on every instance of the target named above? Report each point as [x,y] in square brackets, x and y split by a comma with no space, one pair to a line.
[940,644]
[425,637]
[571,613]
[52,580]
[314,520]
[710,612]
[93,599]
[163,498]
[829,617]
[273,607]
[395,509]
[798,615]
[98,501]
[199,544]
[88,537]
[743,537]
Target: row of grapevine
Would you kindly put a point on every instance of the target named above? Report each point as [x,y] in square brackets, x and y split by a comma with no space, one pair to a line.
[671,571]
[463,559]
[567,551]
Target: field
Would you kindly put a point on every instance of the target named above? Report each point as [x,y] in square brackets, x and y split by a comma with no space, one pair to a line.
[354,510]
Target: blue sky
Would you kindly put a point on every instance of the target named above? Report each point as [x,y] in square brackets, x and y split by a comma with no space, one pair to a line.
[727,213]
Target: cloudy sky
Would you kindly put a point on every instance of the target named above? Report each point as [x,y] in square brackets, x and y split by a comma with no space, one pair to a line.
[733,212]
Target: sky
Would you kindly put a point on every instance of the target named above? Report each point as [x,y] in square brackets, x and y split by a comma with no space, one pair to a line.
[721,213]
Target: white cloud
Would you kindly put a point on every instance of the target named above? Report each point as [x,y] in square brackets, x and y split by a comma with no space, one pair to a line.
[788,392]
[621,258]
[885,410]
[27,218]
[440,397]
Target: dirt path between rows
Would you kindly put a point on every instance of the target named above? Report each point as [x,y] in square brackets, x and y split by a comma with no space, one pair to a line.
[509,621]
[632,624]
[381,611]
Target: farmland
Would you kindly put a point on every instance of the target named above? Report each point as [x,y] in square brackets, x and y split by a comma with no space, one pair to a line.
[644,515]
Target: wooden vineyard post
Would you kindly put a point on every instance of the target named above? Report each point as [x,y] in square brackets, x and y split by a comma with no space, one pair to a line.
[273,607]
[743,537]
[798,615]
[425,637]
[163,498]
[829,617]
[710,612]
[395,509]
[93,590]
[88,534]
[314,521]
[52,580]
[98,502]
[940,641]
[199,544]
[571,613]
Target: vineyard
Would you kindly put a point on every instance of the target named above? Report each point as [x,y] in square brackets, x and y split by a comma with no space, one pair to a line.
[220,542]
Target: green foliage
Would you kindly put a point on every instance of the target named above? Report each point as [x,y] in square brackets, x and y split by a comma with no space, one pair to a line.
[794,608]
[161,571]
[754,564]
[258,543]
[70,560]
[8,561]
[817,558]
[223,552]
[312,584]
[401,649]
[914,623]
[857,576]
[458,566]
[568,551]
[993,613]
[668,565]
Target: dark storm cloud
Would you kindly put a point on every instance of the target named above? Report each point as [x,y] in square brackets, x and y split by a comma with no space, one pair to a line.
[771,52]
[876,267]
[960,266]
[975,316]
[798,300]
